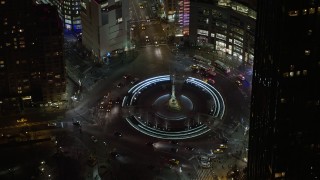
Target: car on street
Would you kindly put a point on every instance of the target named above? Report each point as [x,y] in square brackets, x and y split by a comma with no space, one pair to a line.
[52,124]
[127,76]
[119,85]
[210,73]
[205,164]
[76,123]
[149,143]
[174,162]
[241,77]
[174,142]
[211,81]
[134,80]
[118,100]
[218,151]
[238,83]
[118,134]
[94,139]
[109,107]
[110,102]
[174,150]
[189,148]
[223,146]
[114,154]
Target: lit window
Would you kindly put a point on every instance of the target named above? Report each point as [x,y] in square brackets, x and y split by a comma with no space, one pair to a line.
[221,36]
[319,10]
[286,74]
[312,10]
[17,62]
[307,52]
[304,72]
[119,20]
[280,174]
[298,73]
[291,73]
[212,34]
[202,32]
[283,100]
[293,13]
[304,12]
[3,2]
[309,32]
[230,40]
[207,20]
[1,62]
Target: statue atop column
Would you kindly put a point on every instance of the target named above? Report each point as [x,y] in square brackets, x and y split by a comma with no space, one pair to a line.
[173,103]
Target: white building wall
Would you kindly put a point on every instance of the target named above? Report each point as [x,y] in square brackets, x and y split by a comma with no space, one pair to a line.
[103,38]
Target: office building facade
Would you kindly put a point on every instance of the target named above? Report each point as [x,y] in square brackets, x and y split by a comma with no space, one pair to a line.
[69,13]
[225,27]
[32,69]
[284,138]
[105,27]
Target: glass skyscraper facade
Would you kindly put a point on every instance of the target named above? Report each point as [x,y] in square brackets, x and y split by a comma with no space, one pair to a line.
[284,138]
[32,70]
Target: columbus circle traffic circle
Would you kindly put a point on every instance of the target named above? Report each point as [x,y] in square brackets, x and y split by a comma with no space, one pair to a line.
[173,107]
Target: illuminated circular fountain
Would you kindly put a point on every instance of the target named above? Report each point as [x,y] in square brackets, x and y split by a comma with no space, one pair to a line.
[171,107]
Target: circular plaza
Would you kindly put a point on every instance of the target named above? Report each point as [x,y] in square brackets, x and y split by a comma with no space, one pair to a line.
[173,107]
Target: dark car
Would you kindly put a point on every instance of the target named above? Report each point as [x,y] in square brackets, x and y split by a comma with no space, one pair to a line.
[119,85]
[189,148]
[174,149]
[135,81]
[149,143]
[119,134]
[76,123]
[109,108]
[118,100]
[127,76]
[173,142]
[114,154]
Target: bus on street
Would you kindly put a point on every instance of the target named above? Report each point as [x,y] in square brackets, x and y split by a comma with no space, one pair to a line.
[220,65]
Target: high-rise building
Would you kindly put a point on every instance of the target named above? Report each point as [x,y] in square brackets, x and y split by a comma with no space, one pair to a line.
[226,27]
[284,136]
[31,60]
[105,27]
[69,12]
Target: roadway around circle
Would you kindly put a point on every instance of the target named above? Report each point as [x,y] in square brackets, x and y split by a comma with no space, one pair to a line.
[147,107]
